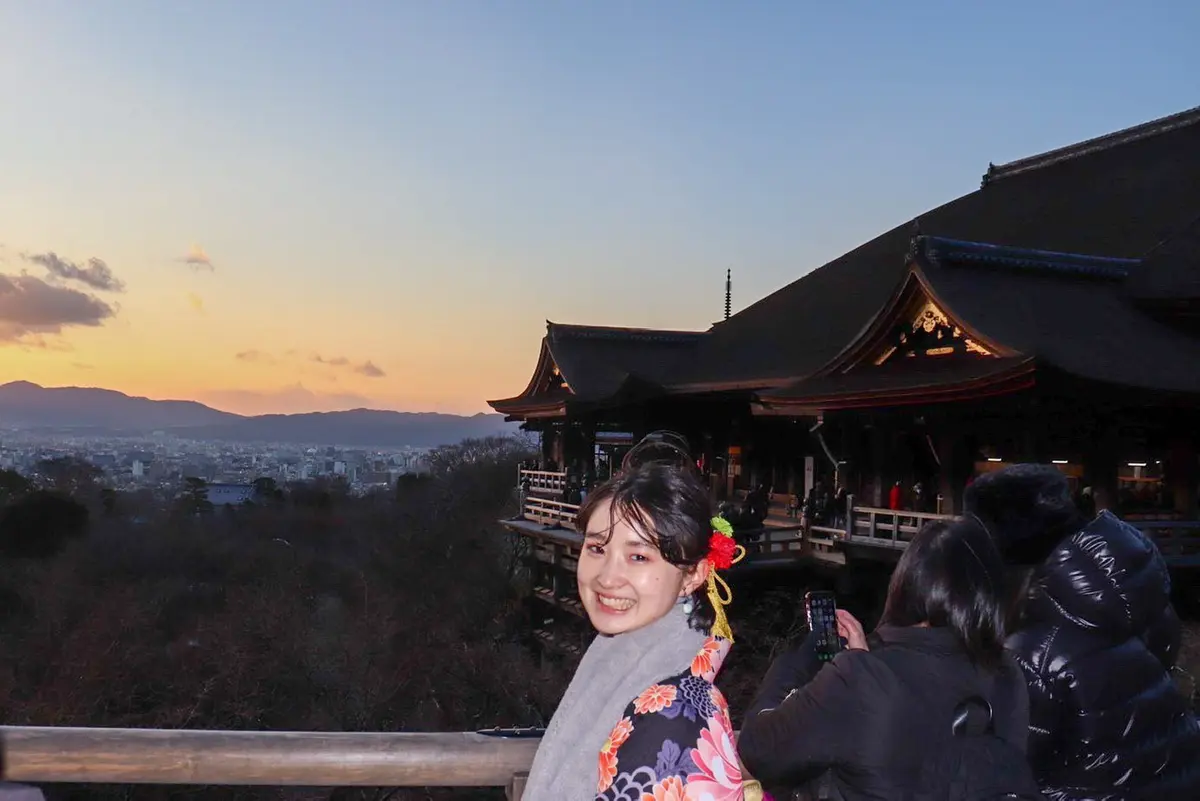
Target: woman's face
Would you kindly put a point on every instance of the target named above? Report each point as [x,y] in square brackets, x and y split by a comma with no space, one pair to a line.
[625,583]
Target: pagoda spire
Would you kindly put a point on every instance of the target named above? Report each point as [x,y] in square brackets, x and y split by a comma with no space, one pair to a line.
[728,292]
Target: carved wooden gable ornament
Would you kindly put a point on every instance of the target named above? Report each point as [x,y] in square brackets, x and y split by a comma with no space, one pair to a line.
[928,332]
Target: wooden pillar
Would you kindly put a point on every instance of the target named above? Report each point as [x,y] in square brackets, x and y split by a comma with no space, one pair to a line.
[1035,433]
[551,444]
[588,450]
[949,484]
[1102,462]
[733,467]
[1182,476]
[956,449]
[875,484]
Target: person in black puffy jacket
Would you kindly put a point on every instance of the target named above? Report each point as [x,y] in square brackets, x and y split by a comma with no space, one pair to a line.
[1097,638]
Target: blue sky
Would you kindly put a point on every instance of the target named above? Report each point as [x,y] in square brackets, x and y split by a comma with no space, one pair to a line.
[420,185]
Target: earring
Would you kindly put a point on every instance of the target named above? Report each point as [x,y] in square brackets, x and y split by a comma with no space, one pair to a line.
[688,605]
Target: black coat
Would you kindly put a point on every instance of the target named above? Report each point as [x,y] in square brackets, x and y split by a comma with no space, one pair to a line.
[1096,644]
[872,717]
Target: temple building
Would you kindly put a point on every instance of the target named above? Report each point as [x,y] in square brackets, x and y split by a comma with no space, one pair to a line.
[1051,315]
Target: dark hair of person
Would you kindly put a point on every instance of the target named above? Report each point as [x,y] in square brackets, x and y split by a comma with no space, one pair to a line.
[1027,508]
[661,494]
[951,576]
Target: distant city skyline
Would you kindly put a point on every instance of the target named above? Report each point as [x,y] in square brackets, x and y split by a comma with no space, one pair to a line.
[273,207]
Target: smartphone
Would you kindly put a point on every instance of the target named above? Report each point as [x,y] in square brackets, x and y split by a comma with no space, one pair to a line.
[820,607]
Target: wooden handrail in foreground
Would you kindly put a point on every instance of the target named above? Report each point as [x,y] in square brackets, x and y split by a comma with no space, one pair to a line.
[306,759]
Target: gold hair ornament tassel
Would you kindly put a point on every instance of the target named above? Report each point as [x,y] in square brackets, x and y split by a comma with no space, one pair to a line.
[723,553]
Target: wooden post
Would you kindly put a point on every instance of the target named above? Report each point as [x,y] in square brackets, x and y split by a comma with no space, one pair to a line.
[1181,476]
[516,786]
[556,572]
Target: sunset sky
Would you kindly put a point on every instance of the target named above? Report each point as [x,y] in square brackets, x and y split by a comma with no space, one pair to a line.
[293,206]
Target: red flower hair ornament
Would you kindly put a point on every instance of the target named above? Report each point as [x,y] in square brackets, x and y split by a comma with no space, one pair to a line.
[723,553]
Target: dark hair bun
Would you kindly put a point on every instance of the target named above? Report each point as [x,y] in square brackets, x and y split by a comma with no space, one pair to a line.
[659,447]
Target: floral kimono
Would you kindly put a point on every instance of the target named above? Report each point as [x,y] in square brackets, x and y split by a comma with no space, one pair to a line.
[675,741]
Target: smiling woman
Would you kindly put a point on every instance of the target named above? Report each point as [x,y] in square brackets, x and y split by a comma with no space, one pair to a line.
[642,718]
[646,543]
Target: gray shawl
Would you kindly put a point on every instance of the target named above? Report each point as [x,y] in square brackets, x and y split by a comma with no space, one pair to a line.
[614,671]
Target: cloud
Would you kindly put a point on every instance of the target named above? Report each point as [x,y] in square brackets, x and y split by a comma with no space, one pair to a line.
[369,369]
[294,399]
[95,273]
[82,366]
[255,357]
[366,368]
[197,259]
[29,306]
[32,342]
[196,302]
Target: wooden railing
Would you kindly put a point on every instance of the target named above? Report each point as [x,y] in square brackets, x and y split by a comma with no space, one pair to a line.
[548,511]
[887,528]
[1179,541]
[543,480]
[306,759]
[544,502]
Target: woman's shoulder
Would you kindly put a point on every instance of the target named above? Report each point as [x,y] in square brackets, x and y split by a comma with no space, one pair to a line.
[879,664]
[676,733]
[691,693]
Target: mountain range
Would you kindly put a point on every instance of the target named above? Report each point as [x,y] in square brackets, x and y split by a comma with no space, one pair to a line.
[104,411]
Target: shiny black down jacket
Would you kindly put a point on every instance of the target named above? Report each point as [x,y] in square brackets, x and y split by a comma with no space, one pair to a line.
[1097,642]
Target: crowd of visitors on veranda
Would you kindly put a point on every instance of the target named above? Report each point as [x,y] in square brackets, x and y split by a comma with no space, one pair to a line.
[1025,652]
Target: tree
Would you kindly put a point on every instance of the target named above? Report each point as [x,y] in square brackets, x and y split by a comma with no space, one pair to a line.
[39,525]
[13,485]
[195,496]
[108,501]
[69,474]
[486,450]
[267,490]
[408,483]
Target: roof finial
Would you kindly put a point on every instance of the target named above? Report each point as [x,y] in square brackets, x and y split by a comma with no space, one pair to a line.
[987,176]
[728,292]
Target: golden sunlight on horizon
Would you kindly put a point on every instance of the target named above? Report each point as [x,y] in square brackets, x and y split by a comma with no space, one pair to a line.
[254,382]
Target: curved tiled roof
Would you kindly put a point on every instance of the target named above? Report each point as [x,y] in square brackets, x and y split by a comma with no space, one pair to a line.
[1119,196]
[1128,201]
[601,363]
[1171,271]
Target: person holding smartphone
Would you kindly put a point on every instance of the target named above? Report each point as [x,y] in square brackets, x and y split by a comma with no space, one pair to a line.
[926,706]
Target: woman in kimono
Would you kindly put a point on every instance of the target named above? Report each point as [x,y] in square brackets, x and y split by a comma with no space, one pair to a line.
[641,720]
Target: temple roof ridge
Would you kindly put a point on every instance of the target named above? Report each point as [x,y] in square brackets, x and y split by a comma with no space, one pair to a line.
[940,249]
[1116,138]
[577,331]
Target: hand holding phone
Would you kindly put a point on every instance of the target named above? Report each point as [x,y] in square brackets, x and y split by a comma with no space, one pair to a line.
[820,608]
[851,631]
